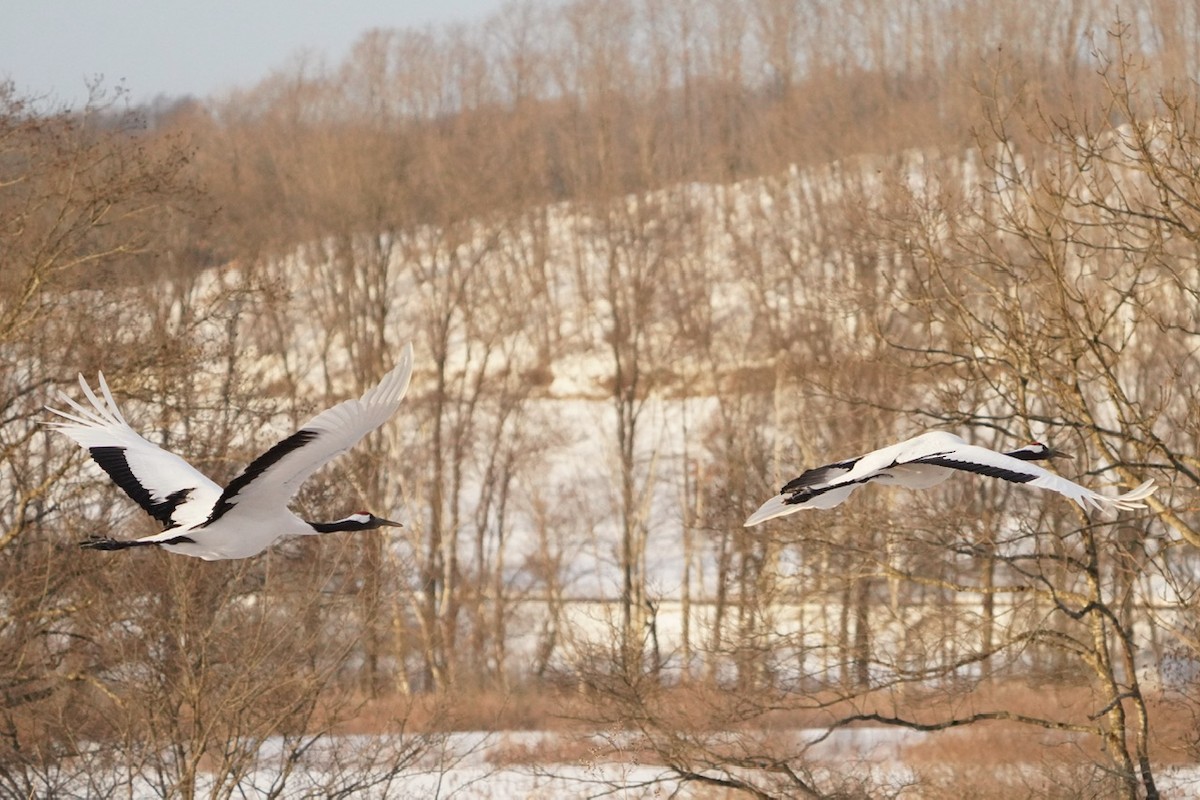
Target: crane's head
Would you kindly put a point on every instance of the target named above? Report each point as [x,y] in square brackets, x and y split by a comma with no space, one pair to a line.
[365,521]
[1036,451]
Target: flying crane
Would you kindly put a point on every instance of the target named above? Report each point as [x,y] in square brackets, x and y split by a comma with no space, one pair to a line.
[927,460]
[204,520]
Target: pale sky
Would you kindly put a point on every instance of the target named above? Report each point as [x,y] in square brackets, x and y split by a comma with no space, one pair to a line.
[191,47]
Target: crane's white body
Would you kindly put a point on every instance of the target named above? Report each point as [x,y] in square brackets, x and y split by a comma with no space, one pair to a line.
[201,518]
[925,461]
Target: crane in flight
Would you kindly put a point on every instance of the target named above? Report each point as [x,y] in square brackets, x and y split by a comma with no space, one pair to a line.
[927,460]
[199,517]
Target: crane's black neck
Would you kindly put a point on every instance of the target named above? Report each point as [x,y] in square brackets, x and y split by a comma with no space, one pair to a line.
[1025,454]
[360,521]
[339,526]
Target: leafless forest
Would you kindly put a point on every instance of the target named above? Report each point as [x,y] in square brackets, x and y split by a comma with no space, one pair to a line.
[656,257]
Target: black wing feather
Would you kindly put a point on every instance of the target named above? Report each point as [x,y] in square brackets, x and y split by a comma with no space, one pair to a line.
[979,469]
[258,467]
[816,475]
[112,460]
[805,493]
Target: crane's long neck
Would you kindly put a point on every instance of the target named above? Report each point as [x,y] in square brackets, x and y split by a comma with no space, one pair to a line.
[334,527]
[1029,454]
[360,521]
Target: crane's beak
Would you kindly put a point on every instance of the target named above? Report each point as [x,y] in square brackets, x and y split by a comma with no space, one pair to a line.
[1057,454]
[387,523]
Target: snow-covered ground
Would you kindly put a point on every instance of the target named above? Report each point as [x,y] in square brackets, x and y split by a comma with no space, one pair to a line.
[476,766]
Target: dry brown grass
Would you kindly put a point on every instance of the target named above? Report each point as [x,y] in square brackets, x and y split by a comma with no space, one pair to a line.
[705,707]
[982,761]
[472,711]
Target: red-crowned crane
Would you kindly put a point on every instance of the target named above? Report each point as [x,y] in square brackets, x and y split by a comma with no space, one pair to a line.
[925,461]
[200,518]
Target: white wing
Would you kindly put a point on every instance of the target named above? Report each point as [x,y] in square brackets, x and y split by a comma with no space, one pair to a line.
[829,485]
[876,462]
[980,460]
[273,478]
[783,504]
[167,487]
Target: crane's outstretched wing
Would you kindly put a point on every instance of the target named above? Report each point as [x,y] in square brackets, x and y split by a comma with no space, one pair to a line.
[980,460]
[819,476]
[789,502]
[273,478]
[171,490]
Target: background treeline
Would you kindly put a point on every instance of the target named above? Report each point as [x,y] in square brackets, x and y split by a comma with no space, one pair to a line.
[656,256]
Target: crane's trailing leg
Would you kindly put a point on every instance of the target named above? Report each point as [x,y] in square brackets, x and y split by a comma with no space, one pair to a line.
[107,543]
